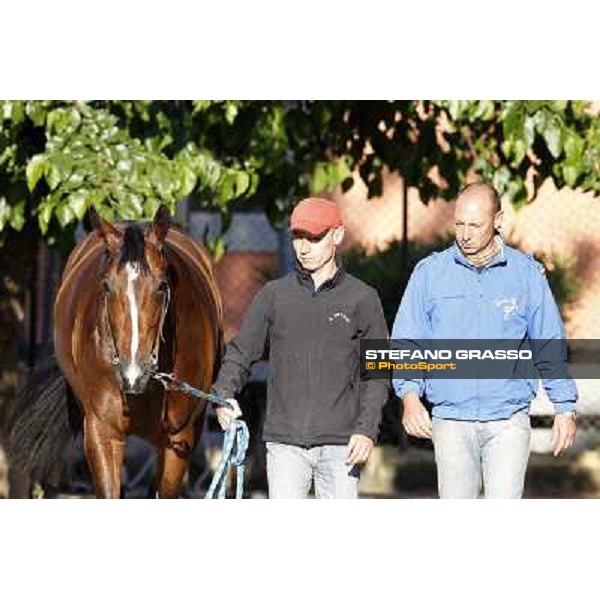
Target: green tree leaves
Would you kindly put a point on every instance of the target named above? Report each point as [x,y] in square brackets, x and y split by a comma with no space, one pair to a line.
[556,139]
[16,217]
[89,158]
[126,157]
[35,170]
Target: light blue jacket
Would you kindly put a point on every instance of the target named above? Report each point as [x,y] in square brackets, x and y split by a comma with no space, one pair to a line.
[448,298]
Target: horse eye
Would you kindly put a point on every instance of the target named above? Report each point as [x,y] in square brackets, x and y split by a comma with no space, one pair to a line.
[163,287]
[107,288]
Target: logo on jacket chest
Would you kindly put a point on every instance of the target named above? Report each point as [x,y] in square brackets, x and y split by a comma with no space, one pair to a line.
[509,307]
[339,315]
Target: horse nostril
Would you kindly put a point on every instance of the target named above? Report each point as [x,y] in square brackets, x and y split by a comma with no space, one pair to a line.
[133,387]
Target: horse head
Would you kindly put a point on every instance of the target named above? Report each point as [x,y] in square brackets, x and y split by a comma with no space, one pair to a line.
[135,296]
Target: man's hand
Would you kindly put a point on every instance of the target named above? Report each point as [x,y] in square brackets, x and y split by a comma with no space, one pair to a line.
[359,448]
[415,418]
[563,432]
[225,415]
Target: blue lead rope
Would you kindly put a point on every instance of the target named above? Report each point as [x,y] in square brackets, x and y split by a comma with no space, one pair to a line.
[237,432]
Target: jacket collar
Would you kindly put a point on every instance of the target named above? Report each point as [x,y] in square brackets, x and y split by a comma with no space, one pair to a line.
[499,259]
[305,279]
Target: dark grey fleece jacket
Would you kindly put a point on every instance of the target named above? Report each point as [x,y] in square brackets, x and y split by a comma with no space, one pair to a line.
[315,394]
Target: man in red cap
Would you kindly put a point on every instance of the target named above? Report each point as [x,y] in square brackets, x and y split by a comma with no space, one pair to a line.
[321,420]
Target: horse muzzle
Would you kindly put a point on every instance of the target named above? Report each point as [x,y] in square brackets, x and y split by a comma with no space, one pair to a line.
[134,378]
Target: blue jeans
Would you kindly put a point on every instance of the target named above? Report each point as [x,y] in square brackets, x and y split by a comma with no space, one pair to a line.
[468,453]
[292,469]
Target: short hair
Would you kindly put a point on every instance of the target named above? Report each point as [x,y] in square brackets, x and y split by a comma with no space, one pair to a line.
[482,185]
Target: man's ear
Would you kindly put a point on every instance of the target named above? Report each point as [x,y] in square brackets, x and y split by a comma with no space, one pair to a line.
[157,232]
[498,217]
[105,229]
[338,235]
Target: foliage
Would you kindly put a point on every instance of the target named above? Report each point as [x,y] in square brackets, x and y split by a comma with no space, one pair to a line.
[57,158]
[84,155]
[504,140]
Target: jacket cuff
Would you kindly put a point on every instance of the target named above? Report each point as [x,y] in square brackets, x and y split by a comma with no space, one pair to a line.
[223,392]
[407,386]
[564,407]
[369,434]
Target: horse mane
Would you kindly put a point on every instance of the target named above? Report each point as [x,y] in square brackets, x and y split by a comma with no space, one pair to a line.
[132,250]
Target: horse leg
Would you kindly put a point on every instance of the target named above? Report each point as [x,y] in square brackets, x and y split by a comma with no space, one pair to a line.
[173,461]
[104,448]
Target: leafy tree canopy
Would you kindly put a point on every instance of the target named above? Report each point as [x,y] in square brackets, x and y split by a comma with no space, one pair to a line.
[126,157]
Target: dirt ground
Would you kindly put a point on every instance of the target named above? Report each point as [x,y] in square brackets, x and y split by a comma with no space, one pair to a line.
[411,474]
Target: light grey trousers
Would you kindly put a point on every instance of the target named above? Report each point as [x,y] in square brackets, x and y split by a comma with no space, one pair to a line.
[292,469]
[469,453]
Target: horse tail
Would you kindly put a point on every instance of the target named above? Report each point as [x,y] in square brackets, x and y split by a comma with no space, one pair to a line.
[43,421]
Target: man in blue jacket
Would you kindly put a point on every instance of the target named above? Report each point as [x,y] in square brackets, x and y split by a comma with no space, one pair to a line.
[480,288]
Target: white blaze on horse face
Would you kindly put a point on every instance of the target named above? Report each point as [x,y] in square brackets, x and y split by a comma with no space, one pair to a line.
[133,371]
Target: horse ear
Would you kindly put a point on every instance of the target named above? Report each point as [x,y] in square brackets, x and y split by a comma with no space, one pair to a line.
[110,234]
[160,226]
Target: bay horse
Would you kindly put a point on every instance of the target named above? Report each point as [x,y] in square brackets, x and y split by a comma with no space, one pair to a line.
[134,299]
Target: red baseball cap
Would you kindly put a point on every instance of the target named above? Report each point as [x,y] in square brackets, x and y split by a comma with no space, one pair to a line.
[315,215]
